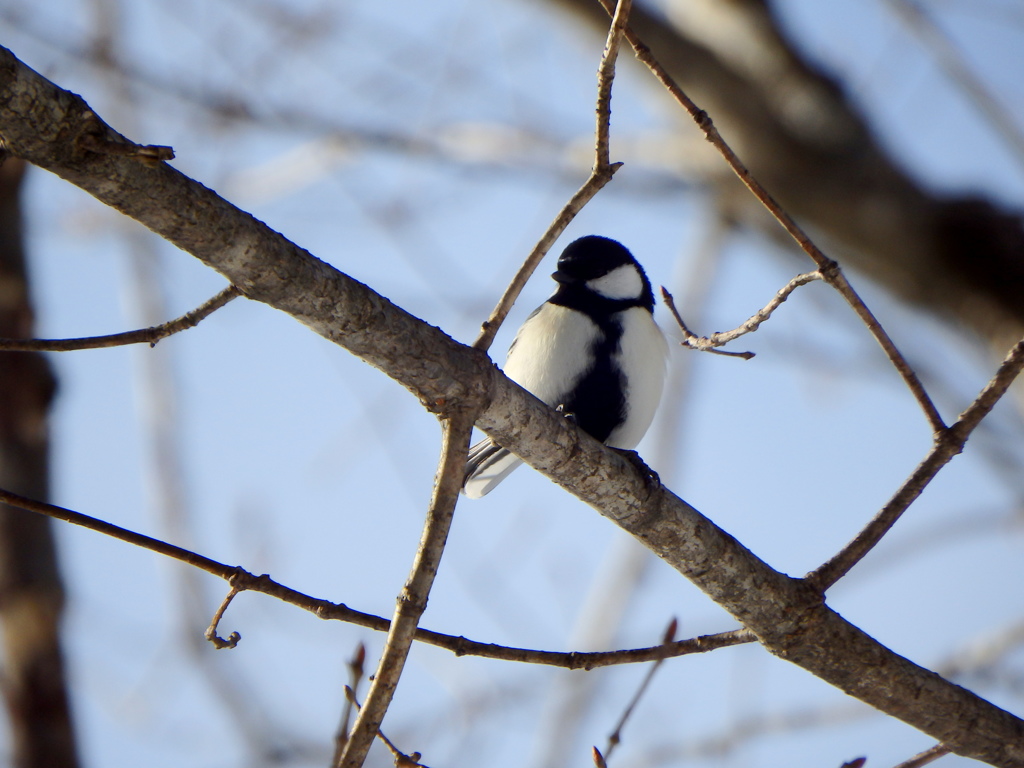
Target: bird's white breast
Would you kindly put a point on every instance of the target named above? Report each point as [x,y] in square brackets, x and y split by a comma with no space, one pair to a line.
[642,356]
[551,351]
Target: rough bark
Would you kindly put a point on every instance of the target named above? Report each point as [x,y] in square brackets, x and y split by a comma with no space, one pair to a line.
[31,591]
[47,126]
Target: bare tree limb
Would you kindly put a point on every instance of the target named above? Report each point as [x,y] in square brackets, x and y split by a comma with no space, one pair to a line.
[605,76]
[143,336]
[600,175]
[356,669]
[926,757]
[958,257]
[402,760]
[978,655]
[212,631]
[709,343]
[948,444]
[692,340]
[40,122]
[597,180]
[615,738]
[828,268]
[412,601]
[242,581]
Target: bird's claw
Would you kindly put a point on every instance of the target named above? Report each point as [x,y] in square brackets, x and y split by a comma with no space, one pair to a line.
[568,414]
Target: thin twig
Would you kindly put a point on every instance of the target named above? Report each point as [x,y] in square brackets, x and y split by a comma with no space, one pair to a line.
[752,325]
[928,756]
[692,340]
[412,601]
[709,343]
[402,760]
[838,280]
[948,444]
[616,736]
[356,667]
[605,77]
[144,336]
[593,185]
[600,175]
[243,580]
[829,269]
[211,631]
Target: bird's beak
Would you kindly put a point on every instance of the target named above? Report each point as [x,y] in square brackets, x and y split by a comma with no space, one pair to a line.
[560,277]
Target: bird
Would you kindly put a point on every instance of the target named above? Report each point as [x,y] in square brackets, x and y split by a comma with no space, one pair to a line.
[592,350]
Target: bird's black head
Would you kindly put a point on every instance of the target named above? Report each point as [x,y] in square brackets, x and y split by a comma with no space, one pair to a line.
[586,261]
[589,257]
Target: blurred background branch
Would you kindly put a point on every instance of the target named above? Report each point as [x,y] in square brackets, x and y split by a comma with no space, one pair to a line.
[34,681]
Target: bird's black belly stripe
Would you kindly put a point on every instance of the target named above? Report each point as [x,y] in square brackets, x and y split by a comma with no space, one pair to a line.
[598,399]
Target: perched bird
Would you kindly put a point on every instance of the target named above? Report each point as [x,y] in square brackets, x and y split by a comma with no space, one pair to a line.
[592,350]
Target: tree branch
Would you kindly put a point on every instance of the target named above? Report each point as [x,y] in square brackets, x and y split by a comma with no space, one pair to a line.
[948,444]
[605,76]
[956,256]
[924,758]
[143,336]
[709,343]
[600,175]
[615,738]
[829,269]
[594,183]
[402,760]
[34,682]
[40,122]
[458,428]
[242,580]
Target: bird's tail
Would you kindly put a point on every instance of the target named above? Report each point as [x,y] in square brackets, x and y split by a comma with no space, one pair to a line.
[488,465]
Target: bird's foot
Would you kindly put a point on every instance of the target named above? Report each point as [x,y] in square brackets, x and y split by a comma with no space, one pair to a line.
[568,414]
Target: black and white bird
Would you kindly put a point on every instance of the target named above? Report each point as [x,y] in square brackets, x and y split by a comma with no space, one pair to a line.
[592,350]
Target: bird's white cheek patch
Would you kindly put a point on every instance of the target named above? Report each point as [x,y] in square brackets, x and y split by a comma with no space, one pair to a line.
[621,283]
[552,351]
